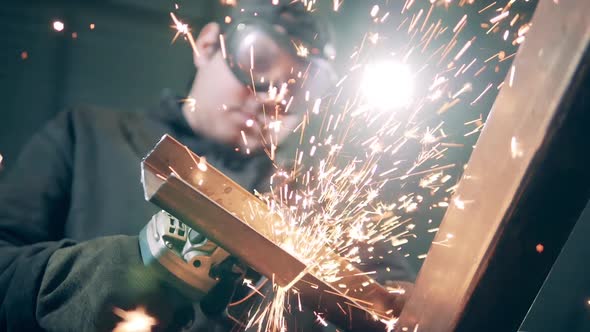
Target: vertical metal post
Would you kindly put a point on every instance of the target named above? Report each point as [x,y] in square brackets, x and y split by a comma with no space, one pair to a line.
[523,190]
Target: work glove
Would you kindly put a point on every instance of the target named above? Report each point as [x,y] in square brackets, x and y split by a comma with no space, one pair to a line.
[89,286]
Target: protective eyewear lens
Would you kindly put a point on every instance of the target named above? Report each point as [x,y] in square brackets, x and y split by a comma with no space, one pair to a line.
[264,57]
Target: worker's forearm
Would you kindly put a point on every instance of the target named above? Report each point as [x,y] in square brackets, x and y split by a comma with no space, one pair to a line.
[22,269]
[83,284]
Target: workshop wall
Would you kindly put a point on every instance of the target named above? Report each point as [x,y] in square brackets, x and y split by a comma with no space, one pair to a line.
[116,54]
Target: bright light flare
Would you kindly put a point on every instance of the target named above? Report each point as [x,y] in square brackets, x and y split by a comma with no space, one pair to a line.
[134,320]
[387,85]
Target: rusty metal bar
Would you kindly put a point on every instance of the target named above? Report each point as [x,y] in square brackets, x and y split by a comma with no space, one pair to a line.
[178,181]
[525,185]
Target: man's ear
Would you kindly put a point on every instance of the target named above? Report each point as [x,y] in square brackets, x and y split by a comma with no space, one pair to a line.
[206,44]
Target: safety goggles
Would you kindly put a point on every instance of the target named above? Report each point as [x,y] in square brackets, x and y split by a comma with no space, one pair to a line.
[264,57]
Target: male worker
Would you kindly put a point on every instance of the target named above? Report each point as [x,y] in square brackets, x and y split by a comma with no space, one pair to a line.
[72,206]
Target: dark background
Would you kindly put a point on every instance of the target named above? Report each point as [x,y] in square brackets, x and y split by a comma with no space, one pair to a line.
[128,59]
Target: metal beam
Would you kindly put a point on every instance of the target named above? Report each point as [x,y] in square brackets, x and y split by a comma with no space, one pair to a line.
[180,182]
[525,185]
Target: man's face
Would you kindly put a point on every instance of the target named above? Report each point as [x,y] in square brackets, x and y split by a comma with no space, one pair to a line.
[227,110]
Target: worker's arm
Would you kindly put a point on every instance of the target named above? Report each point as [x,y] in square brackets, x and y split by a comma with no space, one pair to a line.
[53,284]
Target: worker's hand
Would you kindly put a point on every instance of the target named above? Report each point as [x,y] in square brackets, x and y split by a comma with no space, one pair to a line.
[87,287]
[196,266]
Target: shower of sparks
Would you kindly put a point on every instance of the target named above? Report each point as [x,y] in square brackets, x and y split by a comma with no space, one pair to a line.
[202,164]
[189,103]
[134,321]
[358,182]
[499,17]
[321,320]
[182,29]
[389,324]
[222,44]
[512,71]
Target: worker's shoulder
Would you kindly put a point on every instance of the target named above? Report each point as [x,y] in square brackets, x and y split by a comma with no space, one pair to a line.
[90,119]
[95,125]
[113,130]
[98,116]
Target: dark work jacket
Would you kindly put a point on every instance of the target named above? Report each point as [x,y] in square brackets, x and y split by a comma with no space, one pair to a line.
[73,204]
